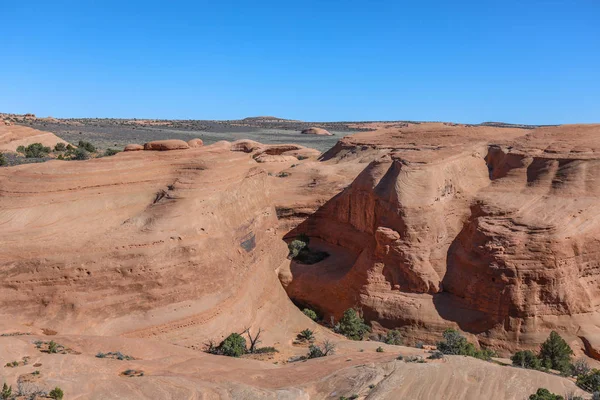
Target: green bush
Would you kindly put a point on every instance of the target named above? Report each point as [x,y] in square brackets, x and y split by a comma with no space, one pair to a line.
[86,146]
[526,359]
[111,152]
[352,325]
[56,394]
[545,394]
[52,347]
[555,353]
[295,246]
[326,349]
[379,349]
[310,314]
[6,392]
[60,147]
[590,382]
[3,161]
[306,335]
[393,337]
[34,150]
[80,154]
[456,344]
[233,346]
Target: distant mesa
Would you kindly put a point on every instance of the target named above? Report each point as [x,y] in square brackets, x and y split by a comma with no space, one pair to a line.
[316,131]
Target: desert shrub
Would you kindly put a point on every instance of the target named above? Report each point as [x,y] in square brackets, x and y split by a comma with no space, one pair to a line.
[393,337]
[110,152]
[352,325]
[3,161]
[526,359]
[80,154]
[6,392]
[60,147]
[456,344]
[545,394]
[52,347]
[233,346]
[306,335]
[590,382]
[263,350]
[294,247]
[34,150]
[436,355]
[555,353]
[326,349]
[56,393]
[414,359]
[283,175]
[580,367]
[353,397]
[379,349]
[310,314]
[86,146]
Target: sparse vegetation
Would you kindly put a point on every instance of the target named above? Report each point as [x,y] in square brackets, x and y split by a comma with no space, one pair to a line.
[3,161]
[352,325]
[326,349]
[300,252]
[526,359]
[306,335]
[590,381]
[60,147]
[436,355]
[283,175]
[310,314]
[111,152]
[87,146]
[545,394]
[52,347]
[555,353]
[456,344]
[80,154]
[580,367]
[115,355]
[233,346]
[6,392]
[131,373]
[393,337]
[379,349]
[56,393]
[34,150]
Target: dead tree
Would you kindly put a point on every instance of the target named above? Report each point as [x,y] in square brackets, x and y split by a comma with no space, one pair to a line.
[254,341]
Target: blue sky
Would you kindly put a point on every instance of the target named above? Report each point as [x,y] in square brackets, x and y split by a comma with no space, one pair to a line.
[526,61]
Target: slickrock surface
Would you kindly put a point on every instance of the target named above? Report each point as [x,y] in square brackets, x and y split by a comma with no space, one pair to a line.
[13,136]
[154,253]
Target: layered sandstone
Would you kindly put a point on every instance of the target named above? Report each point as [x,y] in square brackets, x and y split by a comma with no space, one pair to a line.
[491,230]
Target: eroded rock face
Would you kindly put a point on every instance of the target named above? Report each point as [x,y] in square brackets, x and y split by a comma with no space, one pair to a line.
[489,230]
[195,143]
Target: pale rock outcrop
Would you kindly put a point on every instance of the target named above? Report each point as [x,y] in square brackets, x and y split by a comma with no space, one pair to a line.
[166,145]
[133,147]
[195,143]
[316,131]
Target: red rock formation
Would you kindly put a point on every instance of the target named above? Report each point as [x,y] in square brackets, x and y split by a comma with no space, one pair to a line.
[316,131]
[166,145]
[133,147]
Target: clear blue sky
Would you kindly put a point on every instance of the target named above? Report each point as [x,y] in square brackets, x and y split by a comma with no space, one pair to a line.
[526,61]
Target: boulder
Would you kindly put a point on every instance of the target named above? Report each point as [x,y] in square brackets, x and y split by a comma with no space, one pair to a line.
[316,131]
[166,145]
[195,143]
[133,147]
